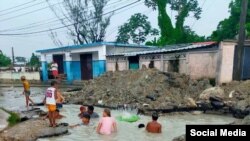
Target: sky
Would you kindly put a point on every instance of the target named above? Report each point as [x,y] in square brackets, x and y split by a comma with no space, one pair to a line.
[37,12]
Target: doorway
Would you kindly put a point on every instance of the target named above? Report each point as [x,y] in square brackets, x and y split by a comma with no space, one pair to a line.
[86,66]
[59,60]
[133,62]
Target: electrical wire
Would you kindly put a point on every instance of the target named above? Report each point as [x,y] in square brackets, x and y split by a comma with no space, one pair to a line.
[48,21]
[65,26]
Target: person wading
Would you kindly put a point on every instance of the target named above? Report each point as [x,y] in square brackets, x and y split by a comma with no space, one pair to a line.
[26,91]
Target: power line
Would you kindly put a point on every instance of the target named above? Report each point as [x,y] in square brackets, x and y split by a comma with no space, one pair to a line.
[14,11]
[41,31]
[18,6]
[196,20]
[66,30]
[23,14]
[48,21]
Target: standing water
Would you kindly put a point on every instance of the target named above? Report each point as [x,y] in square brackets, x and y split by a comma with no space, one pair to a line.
[173,125]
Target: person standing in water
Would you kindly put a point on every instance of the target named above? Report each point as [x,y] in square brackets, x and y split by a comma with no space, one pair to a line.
[50,101]
[26,91]
[154,126]
[107,124]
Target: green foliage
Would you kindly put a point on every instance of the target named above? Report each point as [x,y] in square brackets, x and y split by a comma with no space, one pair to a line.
[13,119]
[228,28]
[175,34]
[136,29]
[20,59]
[34,61]
[4,60]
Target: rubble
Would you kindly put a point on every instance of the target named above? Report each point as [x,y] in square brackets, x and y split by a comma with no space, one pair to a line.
[150,89]
[135,88]
[31,130]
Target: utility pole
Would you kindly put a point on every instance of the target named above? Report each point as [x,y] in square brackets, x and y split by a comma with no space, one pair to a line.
[13,57]
[239,50]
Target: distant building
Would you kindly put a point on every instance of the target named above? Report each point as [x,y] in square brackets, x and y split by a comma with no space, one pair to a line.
[20,64]
[83,62]
[198,60]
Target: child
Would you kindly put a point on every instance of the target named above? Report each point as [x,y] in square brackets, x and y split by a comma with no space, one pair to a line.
[91,112]
[107,124]
[26,91]
[82,111]
[85,121]
[154,126]
[50,100]
[57,115]
[59,101]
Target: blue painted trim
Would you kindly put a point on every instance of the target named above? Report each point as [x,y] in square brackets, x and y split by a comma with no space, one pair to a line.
[76,70]
[68,71]
[99,67]
[93,45]
[44,71]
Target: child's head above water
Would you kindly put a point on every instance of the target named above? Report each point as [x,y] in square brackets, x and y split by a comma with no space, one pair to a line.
[155,116]
[82,109]
[106,113]
[85,118]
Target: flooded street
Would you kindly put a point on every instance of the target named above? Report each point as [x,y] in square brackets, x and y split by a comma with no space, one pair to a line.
[173,125]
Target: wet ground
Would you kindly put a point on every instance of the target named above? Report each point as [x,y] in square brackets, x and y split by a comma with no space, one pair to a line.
[173,125]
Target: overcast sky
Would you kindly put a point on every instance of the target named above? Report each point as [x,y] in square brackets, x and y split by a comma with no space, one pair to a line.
[12,19]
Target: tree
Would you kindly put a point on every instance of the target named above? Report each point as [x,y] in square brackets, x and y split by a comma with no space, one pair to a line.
[20,59]
[228,28]
[4,60]
[89,25]
[34,61]
[136,29]
[172,34]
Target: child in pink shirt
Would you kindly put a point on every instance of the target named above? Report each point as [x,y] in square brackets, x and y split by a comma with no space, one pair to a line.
[107,124]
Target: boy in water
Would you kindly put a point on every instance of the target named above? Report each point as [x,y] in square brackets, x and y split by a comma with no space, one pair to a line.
[154,126]
[82,111]
[26,91]
[91,112]
[50,100]
[85,121]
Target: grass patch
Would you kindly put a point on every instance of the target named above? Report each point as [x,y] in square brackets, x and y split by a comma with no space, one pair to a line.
[13,119]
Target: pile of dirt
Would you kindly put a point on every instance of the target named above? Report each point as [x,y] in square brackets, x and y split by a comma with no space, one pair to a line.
[140,88]
[238,97]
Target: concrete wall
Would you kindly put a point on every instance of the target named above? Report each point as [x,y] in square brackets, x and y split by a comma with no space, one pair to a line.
[121,61]
[17,75]
[183,66]
[225,62]
[157,64]
[202,64]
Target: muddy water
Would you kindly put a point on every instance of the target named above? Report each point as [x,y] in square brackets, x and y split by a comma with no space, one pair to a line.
[173,125]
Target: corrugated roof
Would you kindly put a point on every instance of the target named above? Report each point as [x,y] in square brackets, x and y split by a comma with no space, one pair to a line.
[93,45]
[169,48]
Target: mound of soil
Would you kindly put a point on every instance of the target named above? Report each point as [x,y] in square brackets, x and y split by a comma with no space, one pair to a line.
[148,87]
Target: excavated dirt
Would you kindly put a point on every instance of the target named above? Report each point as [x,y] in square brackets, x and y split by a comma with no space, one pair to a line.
[149,87]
